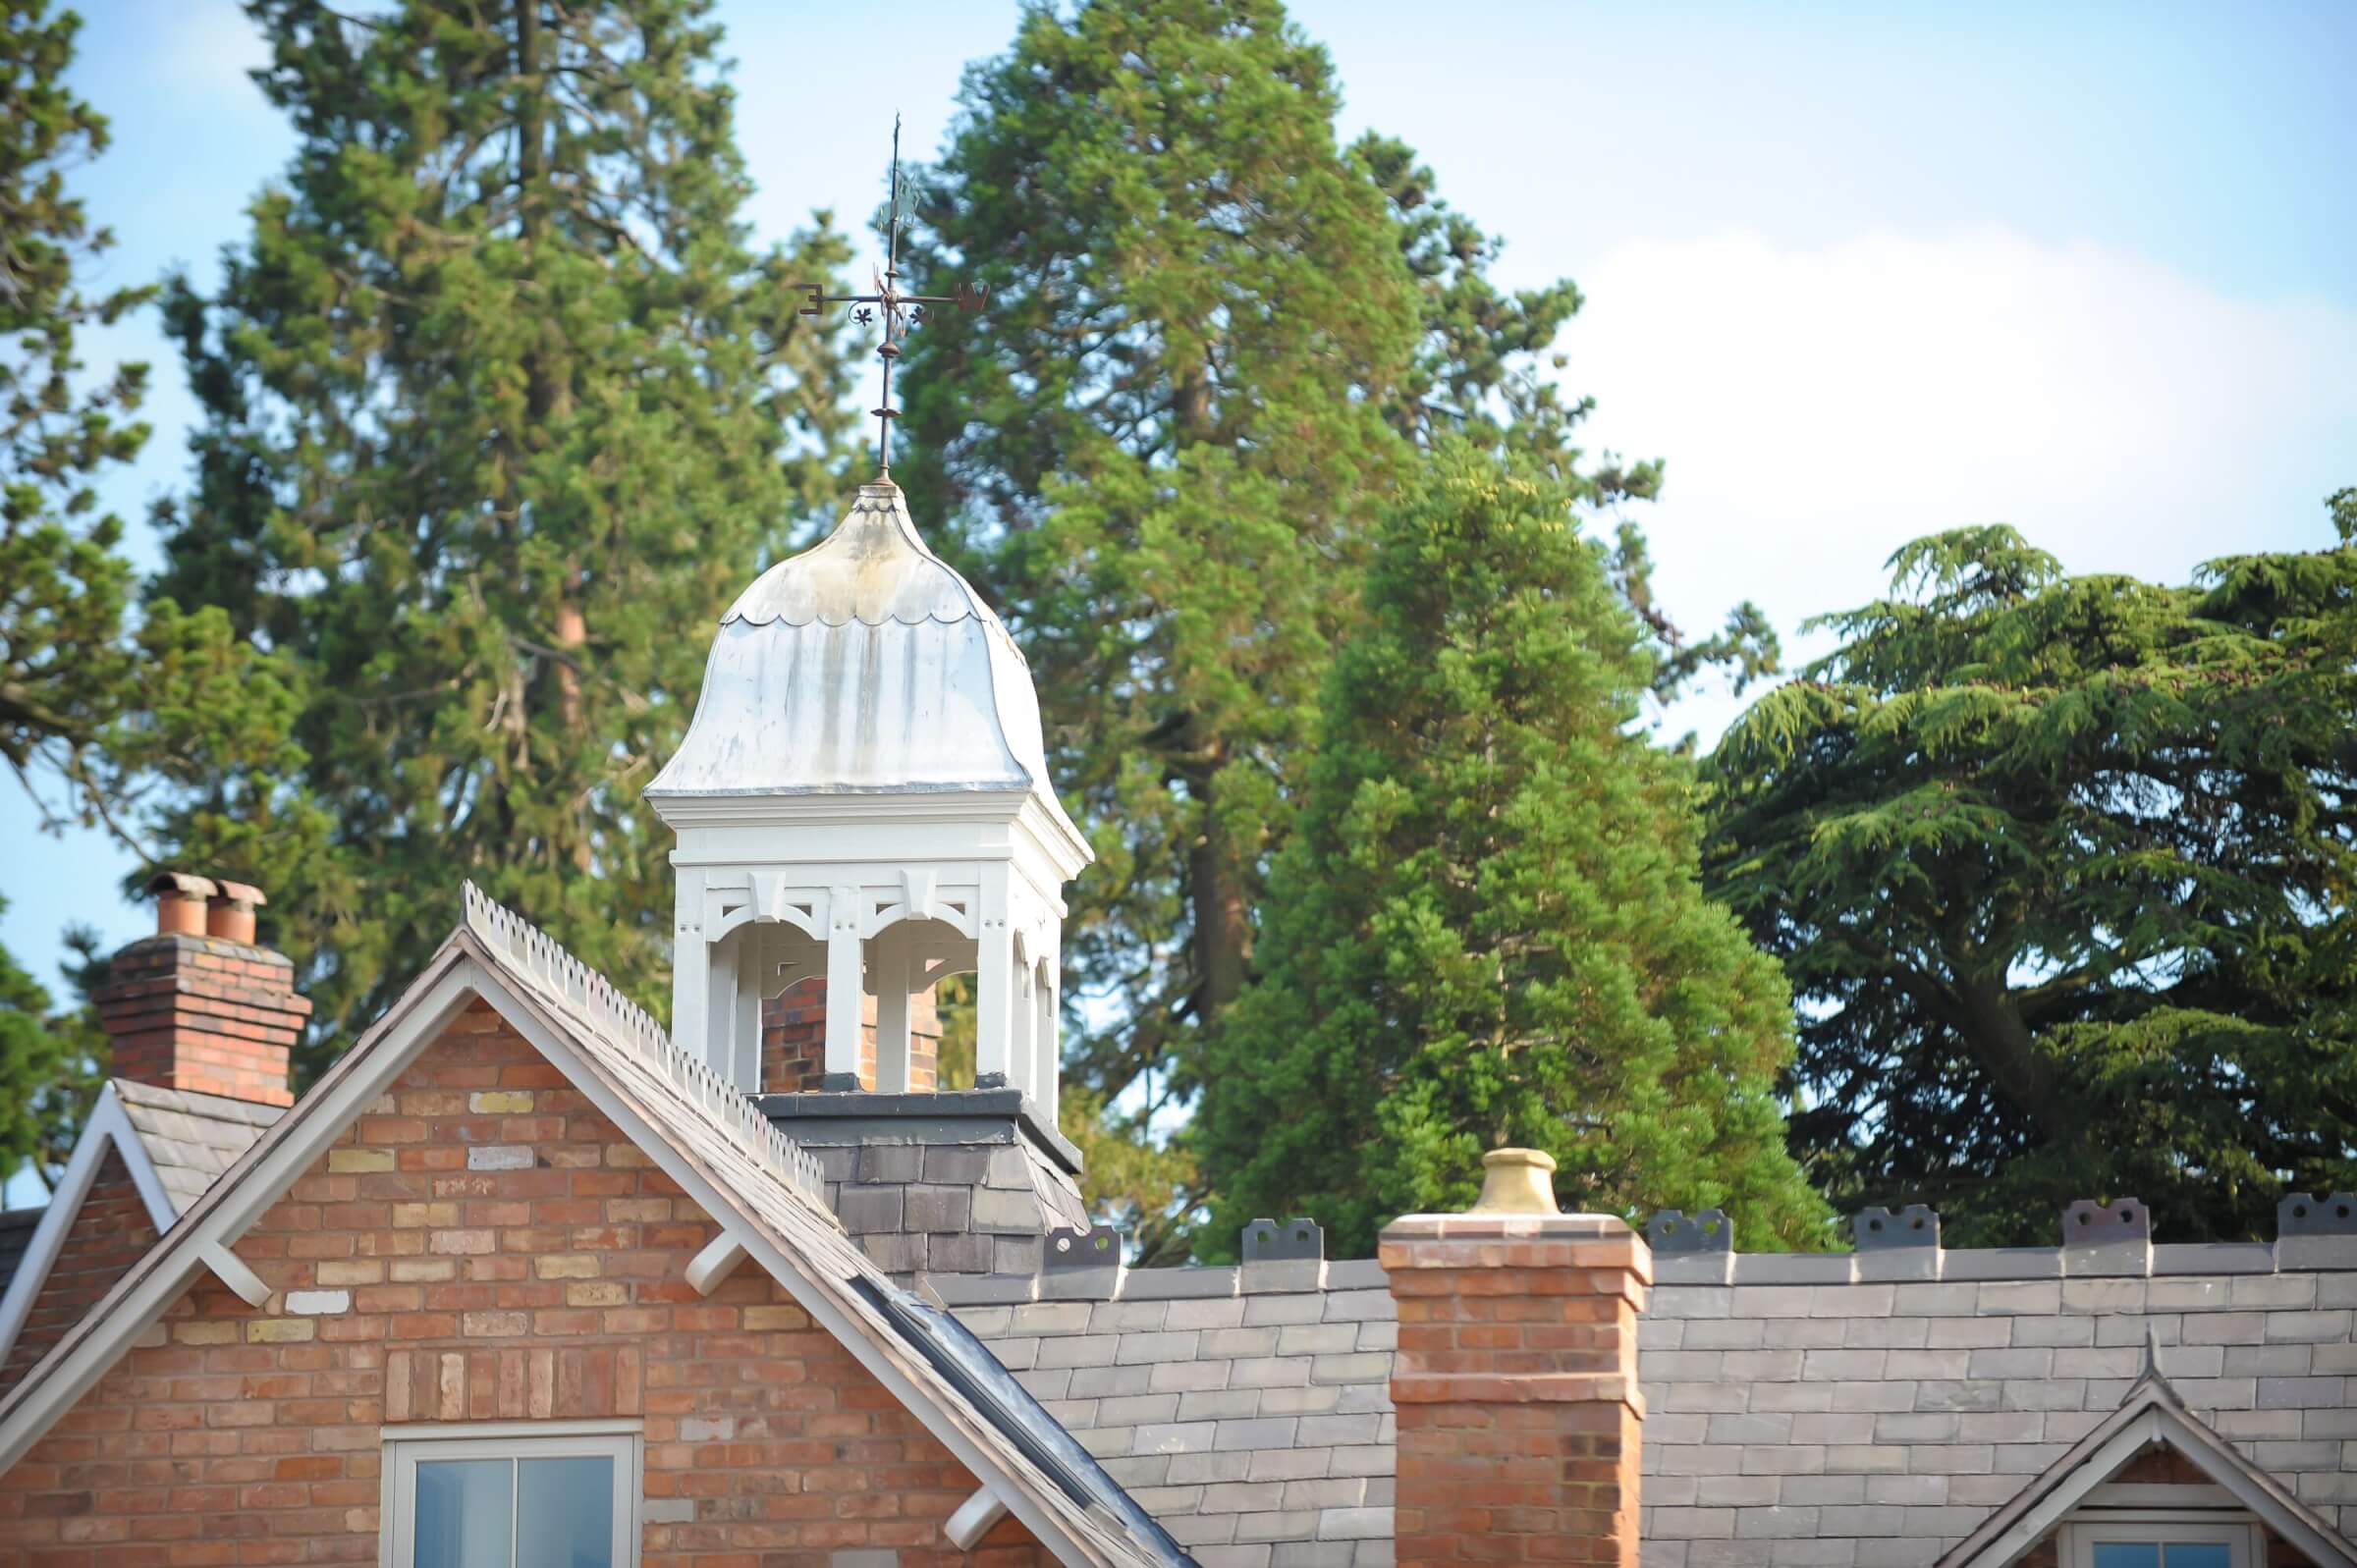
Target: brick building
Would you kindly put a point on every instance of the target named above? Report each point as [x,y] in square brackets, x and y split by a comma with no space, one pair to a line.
[526,1280]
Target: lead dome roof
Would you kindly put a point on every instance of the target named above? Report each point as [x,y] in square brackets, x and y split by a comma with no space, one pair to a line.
[863,665]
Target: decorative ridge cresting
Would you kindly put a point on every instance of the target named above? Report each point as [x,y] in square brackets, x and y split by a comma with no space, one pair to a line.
[542,963]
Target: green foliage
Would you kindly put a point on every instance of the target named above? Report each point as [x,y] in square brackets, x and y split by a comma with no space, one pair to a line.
[1489,927]
[48,1070]
[94,712]
[498,412]
[2060,868]
[97,710]
[1215,337]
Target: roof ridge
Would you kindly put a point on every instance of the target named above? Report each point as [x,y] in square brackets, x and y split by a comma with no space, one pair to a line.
[545,967]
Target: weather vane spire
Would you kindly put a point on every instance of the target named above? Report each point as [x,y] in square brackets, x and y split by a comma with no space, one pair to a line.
[898,312]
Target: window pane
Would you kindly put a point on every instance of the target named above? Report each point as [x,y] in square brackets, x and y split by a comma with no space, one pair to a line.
[2128,1554]
[565,1513]
[463,1518]
[2199,1554]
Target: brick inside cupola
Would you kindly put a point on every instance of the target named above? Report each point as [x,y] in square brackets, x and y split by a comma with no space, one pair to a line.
[199,1006]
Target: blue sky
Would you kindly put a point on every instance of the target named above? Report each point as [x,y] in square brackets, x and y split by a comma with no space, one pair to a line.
[1855,273]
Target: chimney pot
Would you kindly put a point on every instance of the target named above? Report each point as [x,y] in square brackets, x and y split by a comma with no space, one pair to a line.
[1517,1181]
[197,1006]
[180,903]
[230,916]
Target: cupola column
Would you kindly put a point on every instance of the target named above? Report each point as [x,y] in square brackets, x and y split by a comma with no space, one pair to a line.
[888,979]
[845,978]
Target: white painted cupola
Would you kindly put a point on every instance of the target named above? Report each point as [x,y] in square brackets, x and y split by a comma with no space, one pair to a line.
[864,795]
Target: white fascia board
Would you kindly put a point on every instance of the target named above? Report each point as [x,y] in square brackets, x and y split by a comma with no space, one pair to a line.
[2068,1491]
[109,1127]
[259,1178]
[2257,1491]
[526,1016]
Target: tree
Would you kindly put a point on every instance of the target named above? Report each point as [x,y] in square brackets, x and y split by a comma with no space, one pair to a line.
[1214,338]
[99,710]
[498,412]
[2060,869]
[1489,925]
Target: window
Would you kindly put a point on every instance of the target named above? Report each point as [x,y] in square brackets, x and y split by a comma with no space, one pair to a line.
[511,1495]
[2156,1542]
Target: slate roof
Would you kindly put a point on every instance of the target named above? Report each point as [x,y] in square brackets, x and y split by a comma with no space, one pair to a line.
[1249,1408]
[1809,1418]
[1883,1423]
[193,1138]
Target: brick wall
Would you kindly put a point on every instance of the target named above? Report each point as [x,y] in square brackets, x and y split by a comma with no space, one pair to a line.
[794,1040]
[109,1235]
[482,1246]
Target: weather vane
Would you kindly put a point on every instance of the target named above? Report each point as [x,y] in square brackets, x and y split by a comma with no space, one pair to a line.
[898,312]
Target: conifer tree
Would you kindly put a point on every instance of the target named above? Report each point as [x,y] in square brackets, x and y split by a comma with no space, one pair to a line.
[99,708]
[1214,338]
[499,410]
[1489,925]
[2061,871]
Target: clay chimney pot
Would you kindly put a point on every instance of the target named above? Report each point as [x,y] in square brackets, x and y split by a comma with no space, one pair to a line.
[1517,1181]
[180,903]
[230,916]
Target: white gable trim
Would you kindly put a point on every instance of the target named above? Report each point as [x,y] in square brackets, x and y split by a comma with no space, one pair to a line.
[2151,1415]
[109,1127]
[302,1136]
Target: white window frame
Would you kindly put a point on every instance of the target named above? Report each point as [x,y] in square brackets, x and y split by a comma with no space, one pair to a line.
[2239,1534]
[622,1441]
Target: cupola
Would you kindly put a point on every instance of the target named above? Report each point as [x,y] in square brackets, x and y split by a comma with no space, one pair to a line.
[864,795]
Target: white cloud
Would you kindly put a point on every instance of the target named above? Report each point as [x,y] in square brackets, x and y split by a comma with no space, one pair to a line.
[1821,407]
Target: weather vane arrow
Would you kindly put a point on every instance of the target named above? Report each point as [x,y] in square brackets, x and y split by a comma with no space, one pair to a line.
[898,312]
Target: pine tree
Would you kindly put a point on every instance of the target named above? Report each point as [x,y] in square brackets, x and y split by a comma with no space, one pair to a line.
[1489,927]
[1214,338]
[99,710]
[499,410]
[2061,869]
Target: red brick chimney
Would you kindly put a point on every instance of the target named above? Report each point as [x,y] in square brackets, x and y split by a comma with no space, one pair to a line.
[1516,1378]
[197,1006]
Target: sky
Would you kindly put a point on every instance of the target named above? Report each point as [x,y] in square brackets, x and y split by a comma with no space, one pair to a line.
[1855,273]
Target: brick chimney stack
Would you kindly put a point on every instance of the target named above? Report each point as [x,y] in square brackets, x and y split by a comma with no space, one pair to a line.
[1516,1378]
[197,1006]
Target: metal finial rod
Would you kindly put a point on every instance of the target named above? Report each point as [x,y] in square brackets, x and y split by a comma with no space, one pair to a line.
[898,312]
